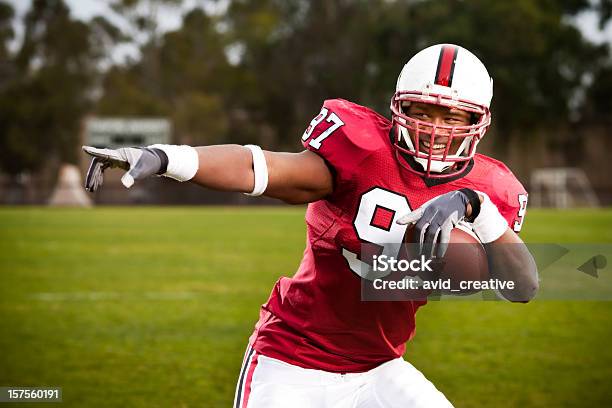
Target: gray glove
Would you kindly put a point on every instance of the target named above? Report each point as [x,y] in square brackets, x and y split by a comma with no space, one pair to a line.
[435,220]
[139,162]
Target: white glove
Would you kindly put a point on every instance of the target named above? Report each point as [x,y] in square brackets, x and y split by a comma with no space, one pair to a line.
[140,162]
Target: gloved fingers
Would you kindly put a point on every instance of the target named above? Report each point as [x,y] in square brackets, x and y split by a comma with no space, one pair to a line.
[95,176]
[445,233]
[419,232]
[431,236]
[411,217]
[112,156]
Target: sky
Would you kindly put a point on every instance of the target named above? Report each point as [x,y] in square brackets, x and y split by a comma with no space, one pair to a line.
[170,19]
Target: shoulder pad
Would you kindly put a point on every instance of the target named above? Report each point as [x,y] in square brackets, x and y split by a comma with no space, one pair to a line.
[504,190]
[345,133]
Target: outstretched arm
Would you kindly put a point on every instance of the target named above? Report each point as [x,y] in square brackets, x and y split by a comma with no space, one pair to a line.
[292,177]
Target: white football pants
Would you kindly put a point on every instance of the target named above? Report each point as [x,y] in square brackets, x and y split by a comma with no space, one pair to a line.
[266,382]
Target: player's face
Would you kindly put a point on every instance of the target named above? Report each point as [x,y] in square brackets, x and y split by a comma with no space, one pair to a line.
[436,115]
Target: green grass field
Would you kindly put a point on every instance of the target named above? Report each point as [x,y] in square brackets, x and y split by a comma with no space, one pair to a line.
[153,307]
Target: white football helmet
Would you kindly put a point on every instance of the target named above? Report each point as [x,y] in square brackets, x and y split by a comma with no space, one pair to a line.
[446,75]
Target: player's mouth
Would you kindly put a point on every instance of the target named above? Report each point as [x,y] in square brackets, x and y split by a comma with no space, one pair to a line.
[438,147]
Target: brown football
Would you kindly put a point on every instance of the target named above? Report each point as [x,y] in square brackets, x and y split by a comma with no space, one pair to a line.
[465,260]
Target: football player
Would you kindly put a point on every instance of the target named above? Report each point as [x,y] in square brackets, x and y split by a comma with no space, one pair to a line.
[366,178]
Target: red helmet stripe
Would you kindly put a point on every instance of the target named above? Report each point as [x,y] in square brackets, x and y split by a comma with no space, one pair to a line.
[446,65]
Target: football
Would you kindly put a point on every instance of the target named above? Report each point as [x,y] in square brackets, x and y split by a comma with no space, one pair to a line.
[463,264]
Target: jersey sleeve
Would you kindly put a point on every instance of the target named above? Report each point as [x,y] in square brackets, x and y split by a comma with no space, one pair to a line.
[511,198]
[342,135]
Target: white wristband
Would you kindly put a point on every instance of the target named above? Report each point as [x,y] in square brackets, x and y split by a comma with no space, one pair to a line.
[489,225]
[260,170]
[183,161]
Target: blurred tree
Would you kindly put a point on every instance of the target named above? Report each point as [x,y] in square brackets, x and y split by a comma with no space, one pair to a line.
[261,71]
[300,52]
[190,85]
[598,100]
[6,35]
[287,56]
[537,59]
[198,93]
[297,53]
[142,17]
[42,105]
[200,118]
[604,9]
[126,94]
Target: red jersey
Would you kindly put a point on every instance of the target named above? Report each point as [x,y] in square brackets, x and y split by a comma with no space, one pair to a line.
[316,319]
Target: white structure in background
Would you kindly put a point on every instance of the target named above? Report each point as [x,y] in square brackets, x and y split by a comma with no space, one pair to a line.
[117,132]
[69,190]
[125,132]
[112,133]
[561,187]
